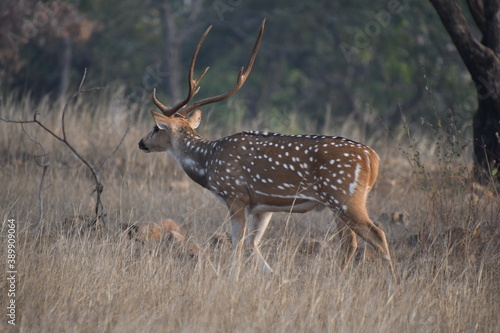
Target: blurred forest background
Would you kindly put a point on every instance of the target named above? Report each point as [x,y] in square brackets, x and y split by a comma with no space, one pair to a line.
[373,61]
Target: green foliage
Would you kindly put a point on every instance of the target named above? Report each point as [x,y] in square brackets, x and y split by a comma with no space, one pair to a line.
[348,54]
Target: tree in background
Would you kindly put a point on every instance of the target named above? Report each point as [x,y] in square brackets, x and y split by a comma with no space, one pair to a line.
[32,33]
[178,23]
[324,60]
[482,59]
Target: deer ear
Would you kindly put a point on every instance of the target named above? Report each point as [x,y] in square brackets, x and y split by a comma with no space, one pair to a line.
[195,118]
[160,120]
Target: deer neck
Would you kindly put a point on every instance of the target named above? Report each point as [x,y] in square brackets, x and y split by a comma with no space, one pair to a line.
[192,152]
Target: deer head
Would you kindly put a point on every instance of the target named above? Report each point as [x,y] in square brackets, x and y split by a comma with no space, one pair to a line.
[174,119]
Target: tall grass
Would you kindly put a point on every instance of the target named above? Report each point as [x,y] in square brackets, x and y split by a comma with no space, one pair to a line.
[444,240]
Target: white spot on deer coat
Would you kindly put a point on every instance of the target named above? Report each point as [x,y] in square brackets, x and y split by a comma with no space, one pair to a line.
[354,184]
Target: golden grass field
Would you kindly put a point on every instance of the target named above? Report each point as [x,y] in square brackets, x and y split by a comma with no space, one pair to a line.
[443,231]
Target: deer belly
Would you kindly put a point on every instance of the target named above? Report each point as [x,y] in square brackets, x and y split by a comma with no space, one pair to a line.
[293,205]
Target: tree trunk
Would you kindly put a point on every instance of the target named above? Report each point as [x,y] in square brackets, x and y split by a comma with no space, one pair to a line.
[483,63]
[486,126]
[173,52]
[177,28]
[66,68]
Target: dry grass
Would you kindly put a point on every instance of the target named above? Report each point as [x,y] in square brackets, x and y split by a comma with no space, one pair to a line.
[445,245]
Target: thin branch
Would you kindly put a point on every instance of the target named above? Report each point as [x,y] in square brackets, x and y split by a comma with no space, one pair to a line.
[45,154]
[83,80]
[99,207]
[74,96]
[17,121]
[45,166]
[115,150]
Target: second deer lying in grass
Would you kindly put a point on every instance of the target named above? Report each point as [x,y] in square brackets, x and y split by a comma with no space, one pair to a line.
[155,231]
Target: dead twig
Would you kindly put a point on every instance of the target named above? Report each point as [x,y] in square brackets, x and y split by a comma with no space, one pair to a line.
[99,207]
[43,161]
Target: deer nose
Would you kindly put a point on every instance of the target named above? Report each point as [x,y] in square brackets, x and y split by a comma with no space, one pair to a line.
[142,146]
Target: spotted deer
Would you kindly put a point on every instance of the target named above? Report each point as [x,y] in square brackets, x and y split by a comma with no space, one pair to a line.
[258,173]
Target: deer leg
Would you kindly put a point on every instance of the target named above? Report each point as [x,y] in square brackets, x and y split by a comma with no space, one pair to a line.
[238,220]
[256,228]
[348,245]
[361,224]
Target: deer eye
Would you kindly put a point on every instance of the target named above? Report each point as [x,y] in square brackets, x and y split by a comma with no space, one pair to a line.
[156,129]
